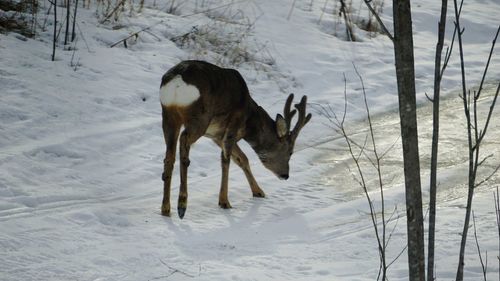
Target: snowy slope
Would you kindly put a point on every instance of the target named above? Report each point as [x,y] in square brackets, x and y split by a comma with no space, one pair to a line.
[81,153]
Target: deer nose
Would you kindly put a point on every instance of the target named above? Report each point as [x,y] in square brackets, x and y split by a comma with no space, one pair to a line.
[284,176]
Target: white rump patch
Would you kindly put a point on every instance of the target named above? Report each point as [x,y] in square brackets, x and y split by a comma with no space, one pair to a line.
[177,92]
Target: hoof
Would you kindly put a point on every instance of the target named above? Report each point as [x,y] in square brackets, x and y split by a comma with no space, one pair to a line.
[259,194]
[165,211]
[181,212]
[225,205]
[181,206]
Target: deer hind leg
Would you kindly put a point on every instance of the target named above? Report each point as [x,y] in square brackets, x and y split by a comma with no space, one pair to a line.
[189,136]
[171,134]
[242,161]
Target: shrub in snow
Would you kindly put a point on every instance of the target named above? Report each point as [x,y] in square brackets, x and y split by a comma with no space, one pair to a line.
[18,16]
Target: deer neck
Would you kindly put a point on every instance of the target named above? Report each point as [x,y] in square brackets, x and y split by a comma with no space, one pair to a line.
[260,129]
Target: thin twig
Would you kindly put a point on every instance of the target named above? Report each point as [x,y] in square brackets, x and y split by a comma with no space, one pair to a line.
[377,166]
[487,64]
[121,3]
[483,266]
[390,148]
[484,159]
[379,20]
[322,12]
[399,255]
[83,37]
[291,10]
[362,182]
[214,8]
[449,50]
[348,21]
[175,270]
[490,112]
[134,34]
[393,228]
[488,177]
[429,98]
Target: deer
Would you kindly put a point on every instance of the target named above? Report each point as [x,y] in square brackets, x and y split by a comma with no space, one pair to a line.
[211,101]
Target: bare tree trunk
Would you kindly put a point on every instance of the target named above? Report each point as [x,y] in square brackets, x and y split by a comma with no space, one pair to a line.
[405,72]
[55,31]
[497,213]
[66,34]
[73,34]
[348,23]
[460,269]
[475,135]
[435,139]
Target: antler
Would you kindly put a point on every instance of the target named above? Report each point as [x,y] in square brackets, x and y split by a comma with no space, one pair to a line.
[287,113]
[303,119]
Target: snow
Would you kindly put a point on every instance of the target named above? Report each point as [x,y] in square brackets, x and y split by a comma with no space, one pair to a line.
[81,149]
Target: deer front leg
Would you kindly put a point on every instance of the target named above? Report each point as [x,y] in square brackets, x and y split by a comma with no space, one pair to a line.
[228,143]
[227,146]
[242,161]
[223,200]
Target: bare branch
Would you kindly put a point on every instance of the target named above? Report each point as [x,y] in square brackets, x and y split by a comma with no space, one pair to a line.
[363,185]
[379,20]
[490,112]
[450,49]
[488,177]
[175,270]
[214,8]
[345,98]
[389,148]
[135,34]
[484,159]
[322,12]
[291,10]
[377,166]
[429,98]
[394,228]
[397,257]
[347,20]
[483,266]
[121,3]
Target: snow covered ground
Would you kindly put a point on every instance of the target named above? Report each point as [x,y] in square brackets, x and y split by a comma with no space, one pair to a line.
[81,150]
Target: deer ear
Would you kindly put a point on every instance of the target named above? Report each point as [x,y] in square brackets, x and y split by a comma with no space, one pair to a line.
[281,128]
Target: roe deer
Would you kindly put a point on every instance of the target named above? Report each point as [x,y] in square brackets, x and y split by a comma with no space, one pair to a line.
[215,102]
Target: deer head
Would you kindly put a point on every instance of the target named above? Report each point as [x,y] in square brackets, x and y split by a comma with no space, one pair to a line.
[276,154]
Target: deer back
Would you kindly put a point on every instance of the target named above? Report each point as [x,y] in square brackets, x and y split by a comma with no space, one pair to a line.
[210,89]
